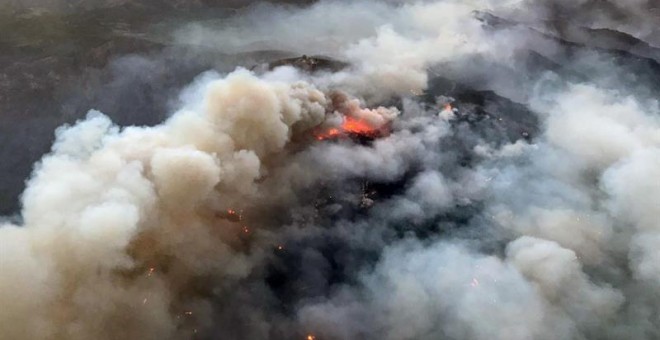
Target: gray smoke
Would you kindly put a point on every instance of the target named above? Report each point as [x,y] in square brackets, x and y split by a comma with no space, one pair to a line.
[515,197]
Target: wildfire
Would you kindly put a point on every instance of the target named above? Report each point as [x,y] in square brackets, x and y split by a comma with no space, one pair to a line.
[447,112]
[231,215]
[350,126]
[331,133]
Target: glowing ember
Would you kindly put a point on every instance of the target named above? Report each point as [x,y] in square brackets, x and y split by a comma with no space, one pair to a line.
[351,126]
[246,230]
[151,271]
[231,215]
[311,337]
[280,247]
[331,133]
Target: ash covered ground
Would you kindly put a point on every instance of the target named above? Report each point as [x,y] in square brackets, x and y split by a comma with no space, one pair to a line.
[330,169]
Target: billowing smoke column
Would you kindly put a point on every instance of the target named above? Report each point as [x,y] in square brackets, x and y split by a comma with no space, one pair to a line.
[514,194]
[118,224]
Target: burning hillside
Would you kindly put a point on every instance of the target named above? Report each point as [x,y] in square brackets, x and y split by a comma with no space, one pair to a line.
[349,120]
[438,169]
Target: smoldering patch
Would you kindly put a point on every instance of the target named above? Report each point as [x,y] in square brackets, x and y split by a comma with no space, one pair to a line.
[462,175]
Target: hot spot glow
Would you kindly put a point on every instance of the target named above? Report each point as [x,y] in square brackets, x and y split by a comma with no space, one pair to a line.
[232,215]
[350,126]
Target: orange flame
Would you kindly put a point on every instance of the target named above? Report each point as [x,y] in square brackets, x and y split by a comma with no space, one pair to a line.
[361,127]
[350,126]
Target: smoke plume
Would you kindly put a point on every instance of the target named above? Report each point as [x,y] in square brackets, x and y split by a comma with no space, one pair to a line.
[477,170]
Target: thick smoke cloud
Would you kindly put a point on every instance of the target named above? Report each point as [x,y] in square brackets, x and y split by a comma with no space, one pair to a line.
[514,197]
[639,18]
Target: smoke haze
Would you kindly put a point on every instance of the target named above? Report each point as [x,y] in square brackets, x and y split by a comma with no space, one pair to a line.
[511,191]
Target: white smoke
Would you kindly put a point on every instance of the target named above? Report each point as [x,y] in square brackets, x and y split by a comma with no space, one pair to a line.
[389,47]
[107,204]
[125,234]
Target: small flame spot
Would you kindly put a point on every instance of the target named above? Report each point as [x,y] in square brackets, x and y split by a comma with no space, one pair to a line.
[350,126]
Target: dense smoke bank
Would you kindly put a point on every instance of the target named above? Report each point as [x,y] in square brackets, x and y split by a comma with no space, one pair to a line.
[474,170]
